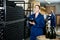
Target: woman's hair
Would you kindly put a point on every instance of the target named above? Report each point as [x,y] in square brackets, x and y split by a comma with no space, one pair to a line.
[38,6]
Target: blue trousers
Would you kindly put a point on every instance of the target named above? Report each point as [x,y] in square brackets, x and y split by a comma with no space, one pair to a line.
[32,37]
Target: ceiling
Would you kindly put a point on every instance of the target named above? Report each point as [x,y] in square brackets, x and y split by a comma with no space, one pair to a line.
[15,0]
[50,1]
[42,1]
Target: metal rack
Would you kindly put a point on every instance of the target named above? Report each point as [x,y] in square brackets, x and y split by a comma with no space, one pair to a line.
[2,18]
[11,28]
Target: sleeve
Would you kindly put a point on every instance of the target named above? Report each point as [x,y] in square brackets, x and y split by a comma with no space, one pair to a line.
[54,20]
[40,23]
[29,25]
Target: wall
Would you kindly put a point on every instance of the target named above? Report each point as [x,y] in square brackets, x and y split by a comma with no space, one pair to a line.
[57,6]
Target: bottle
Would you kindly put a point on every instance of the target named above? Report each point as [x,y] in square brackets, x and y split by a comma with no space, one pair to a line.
[48,31]
[54,32]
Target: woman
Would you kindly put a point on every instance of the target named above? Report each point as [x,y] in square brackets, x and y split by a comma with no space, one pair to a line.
[37,25]
[52,18]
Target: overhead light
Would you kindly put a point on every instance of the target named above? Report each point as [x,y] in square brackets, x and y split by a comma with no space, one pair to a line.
[37,0]
[48,1]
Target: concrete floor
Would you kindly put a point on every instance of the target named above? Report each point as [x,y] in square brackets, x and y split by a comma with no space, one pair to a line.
[28,39]
[58,30]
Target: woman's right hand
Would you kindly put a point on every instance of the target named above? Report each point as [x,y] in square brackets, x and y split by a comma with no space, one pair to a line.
[33,23]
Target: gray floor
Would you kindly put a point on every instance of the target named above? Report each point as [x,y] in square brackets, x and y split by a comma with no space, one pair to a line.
[28,39]
[58,29]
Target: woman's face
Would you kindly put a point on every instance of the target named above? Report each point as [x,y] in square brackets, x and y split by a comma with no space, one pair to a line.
[36,9]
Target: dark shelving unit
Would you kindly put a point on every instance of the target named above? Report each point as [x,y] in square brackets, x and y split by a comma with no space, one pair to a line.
[11,20]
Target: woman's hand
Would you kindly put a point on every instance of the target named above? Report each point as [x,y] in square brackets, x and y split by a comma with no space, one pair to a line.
[33,23]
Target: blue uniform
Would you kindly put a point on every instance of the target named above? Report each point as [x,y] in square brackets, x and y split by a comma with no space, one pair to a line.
[53,20]
[37,29]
